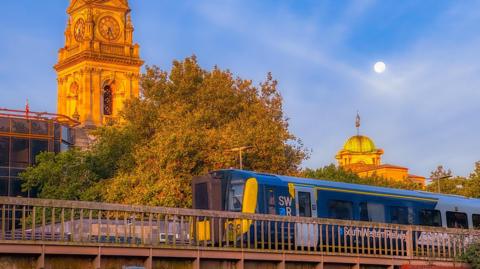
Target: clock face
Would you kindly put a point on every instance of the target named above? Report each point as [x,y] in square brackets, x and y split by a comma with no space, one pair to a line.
[109,28]
[79,30]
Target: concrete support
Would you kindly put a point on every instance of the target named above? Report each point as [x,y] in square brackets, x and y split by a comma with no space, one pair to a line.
[319,265]
[149,261]
[240,264]
[281,265]
[97,262]
[196,263]
[41,261]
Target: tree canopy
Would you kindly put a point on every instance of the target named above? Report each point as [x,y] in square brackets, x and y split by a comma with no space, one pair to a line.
[472,255]
[467,186]
[335,173]
[69,176]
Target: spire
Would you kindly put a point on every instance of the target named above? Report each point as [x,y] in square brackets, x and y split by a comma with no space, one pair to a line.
[27,108]
[357,123]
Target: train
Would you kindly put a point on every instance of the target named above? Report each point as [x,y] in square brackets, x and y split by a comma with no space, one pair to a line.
[253,192]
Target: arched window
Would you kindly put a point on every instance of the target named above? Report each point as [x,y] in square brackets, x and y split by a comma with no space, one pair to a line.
[107,100]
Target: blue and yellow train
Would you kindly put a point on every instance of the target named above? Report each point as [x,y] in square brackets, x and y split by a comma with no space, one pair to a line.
[252,192]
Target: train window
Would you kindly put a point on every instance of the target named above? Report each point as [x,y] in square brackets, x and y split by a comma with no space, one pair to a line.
[201,196]
[400,215]
[372,212]
[430,217]
[271,202]
[235,196]
[340,209]
[364,212]
[304,204]
[457,220]
[476,221]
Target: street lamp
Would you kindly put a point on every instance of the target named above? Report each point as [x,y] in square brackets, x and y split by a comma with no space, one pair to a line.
[438,181]
[240,151]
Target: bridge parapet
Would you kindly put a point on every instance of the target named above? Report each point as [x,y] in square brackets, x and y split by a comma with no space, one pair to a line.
[27,221]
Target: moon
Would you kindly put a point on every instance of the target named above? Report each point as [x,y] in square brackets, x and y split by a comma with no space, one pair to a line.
[379,67]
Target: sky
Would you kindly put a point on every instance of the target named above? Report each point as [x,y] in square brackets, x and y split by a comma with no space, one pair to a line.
[423,111]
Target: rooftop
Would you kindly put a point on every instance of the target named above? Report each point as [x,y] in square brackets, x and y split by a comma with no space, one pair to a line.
[32,115]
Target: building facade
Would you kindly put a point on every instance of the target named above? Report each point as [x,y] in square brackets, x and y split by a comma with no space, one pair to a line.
[360,155]
[23,135]
[98,68]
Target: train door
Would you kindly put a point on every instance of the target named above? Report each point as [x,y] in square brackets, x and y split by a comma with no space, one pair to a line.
[306,234]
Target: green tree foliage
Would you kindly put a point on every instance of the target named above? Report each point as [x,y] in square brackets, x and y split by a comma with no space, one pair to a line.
[78,175]
[441,172]
[472,255]
[449,184]
[472,185]
[63,176]
[185,124]
[453,185]
[443,181]
[335,173]
[112,151]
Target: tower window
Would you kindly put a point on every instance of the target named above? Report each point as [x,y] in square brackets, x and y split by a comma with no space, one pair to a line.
[107,100]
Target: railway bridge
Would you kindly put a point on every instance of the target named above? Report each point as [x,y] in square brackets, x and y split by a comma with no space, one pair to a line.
[55,234]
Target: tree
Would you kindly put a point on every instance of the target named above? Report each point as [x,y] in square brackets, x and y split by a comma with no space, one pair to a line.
[454,185]
[449,184]
[472,185]
[441,172]
[441,180]
[68,175]
[331,172]
[77,175]
[472,255]
[186,122]
[335,173]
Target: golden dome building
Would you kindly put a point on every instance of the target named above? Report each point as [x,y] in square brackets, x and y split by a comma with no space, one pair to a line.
[360,155]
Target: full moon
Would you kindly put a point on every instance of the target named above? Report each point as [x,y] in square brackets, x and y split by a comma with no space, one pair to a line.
[379,67]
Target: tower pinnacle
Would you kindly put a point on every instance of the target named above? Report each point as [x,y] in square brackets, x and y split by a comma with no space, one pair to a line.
[357,123]
[99,66]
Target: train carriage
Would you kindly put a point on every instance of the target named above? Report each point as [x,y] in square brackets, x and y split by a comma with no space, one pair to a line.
[252,192]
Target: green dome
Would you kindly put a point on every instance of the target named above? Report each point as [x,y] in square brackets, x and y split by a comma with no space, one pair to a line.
[359,143]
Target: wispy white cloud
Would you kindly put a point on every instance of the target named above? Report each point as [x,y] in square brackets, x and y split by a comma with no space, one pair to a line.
[430,88]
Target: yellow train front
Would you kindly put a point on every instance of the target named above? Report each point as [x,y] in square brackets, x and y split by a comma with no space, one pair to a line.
[226,190]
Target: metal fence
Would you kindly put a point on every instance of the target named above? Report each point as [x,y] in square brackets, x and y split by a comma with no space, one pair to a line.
[82,223]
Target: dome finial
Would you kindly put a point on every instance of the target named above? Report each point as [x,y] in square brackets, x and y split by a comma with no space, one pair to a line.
[357,123]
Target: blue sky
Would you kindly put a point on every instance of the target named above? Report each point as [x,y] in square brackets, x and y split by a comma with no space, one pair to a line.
[423,111]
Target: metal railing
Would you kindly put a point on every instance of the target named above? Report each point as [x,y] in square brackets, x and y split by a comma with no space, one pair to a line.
[73,222]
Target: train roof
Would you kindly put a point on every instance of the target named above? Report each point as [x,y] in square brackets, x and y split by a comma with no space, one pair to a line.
[443,198]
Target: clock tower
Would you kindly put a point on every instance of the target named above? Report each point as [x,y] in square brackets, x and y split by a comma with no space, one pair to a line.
[98,69]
